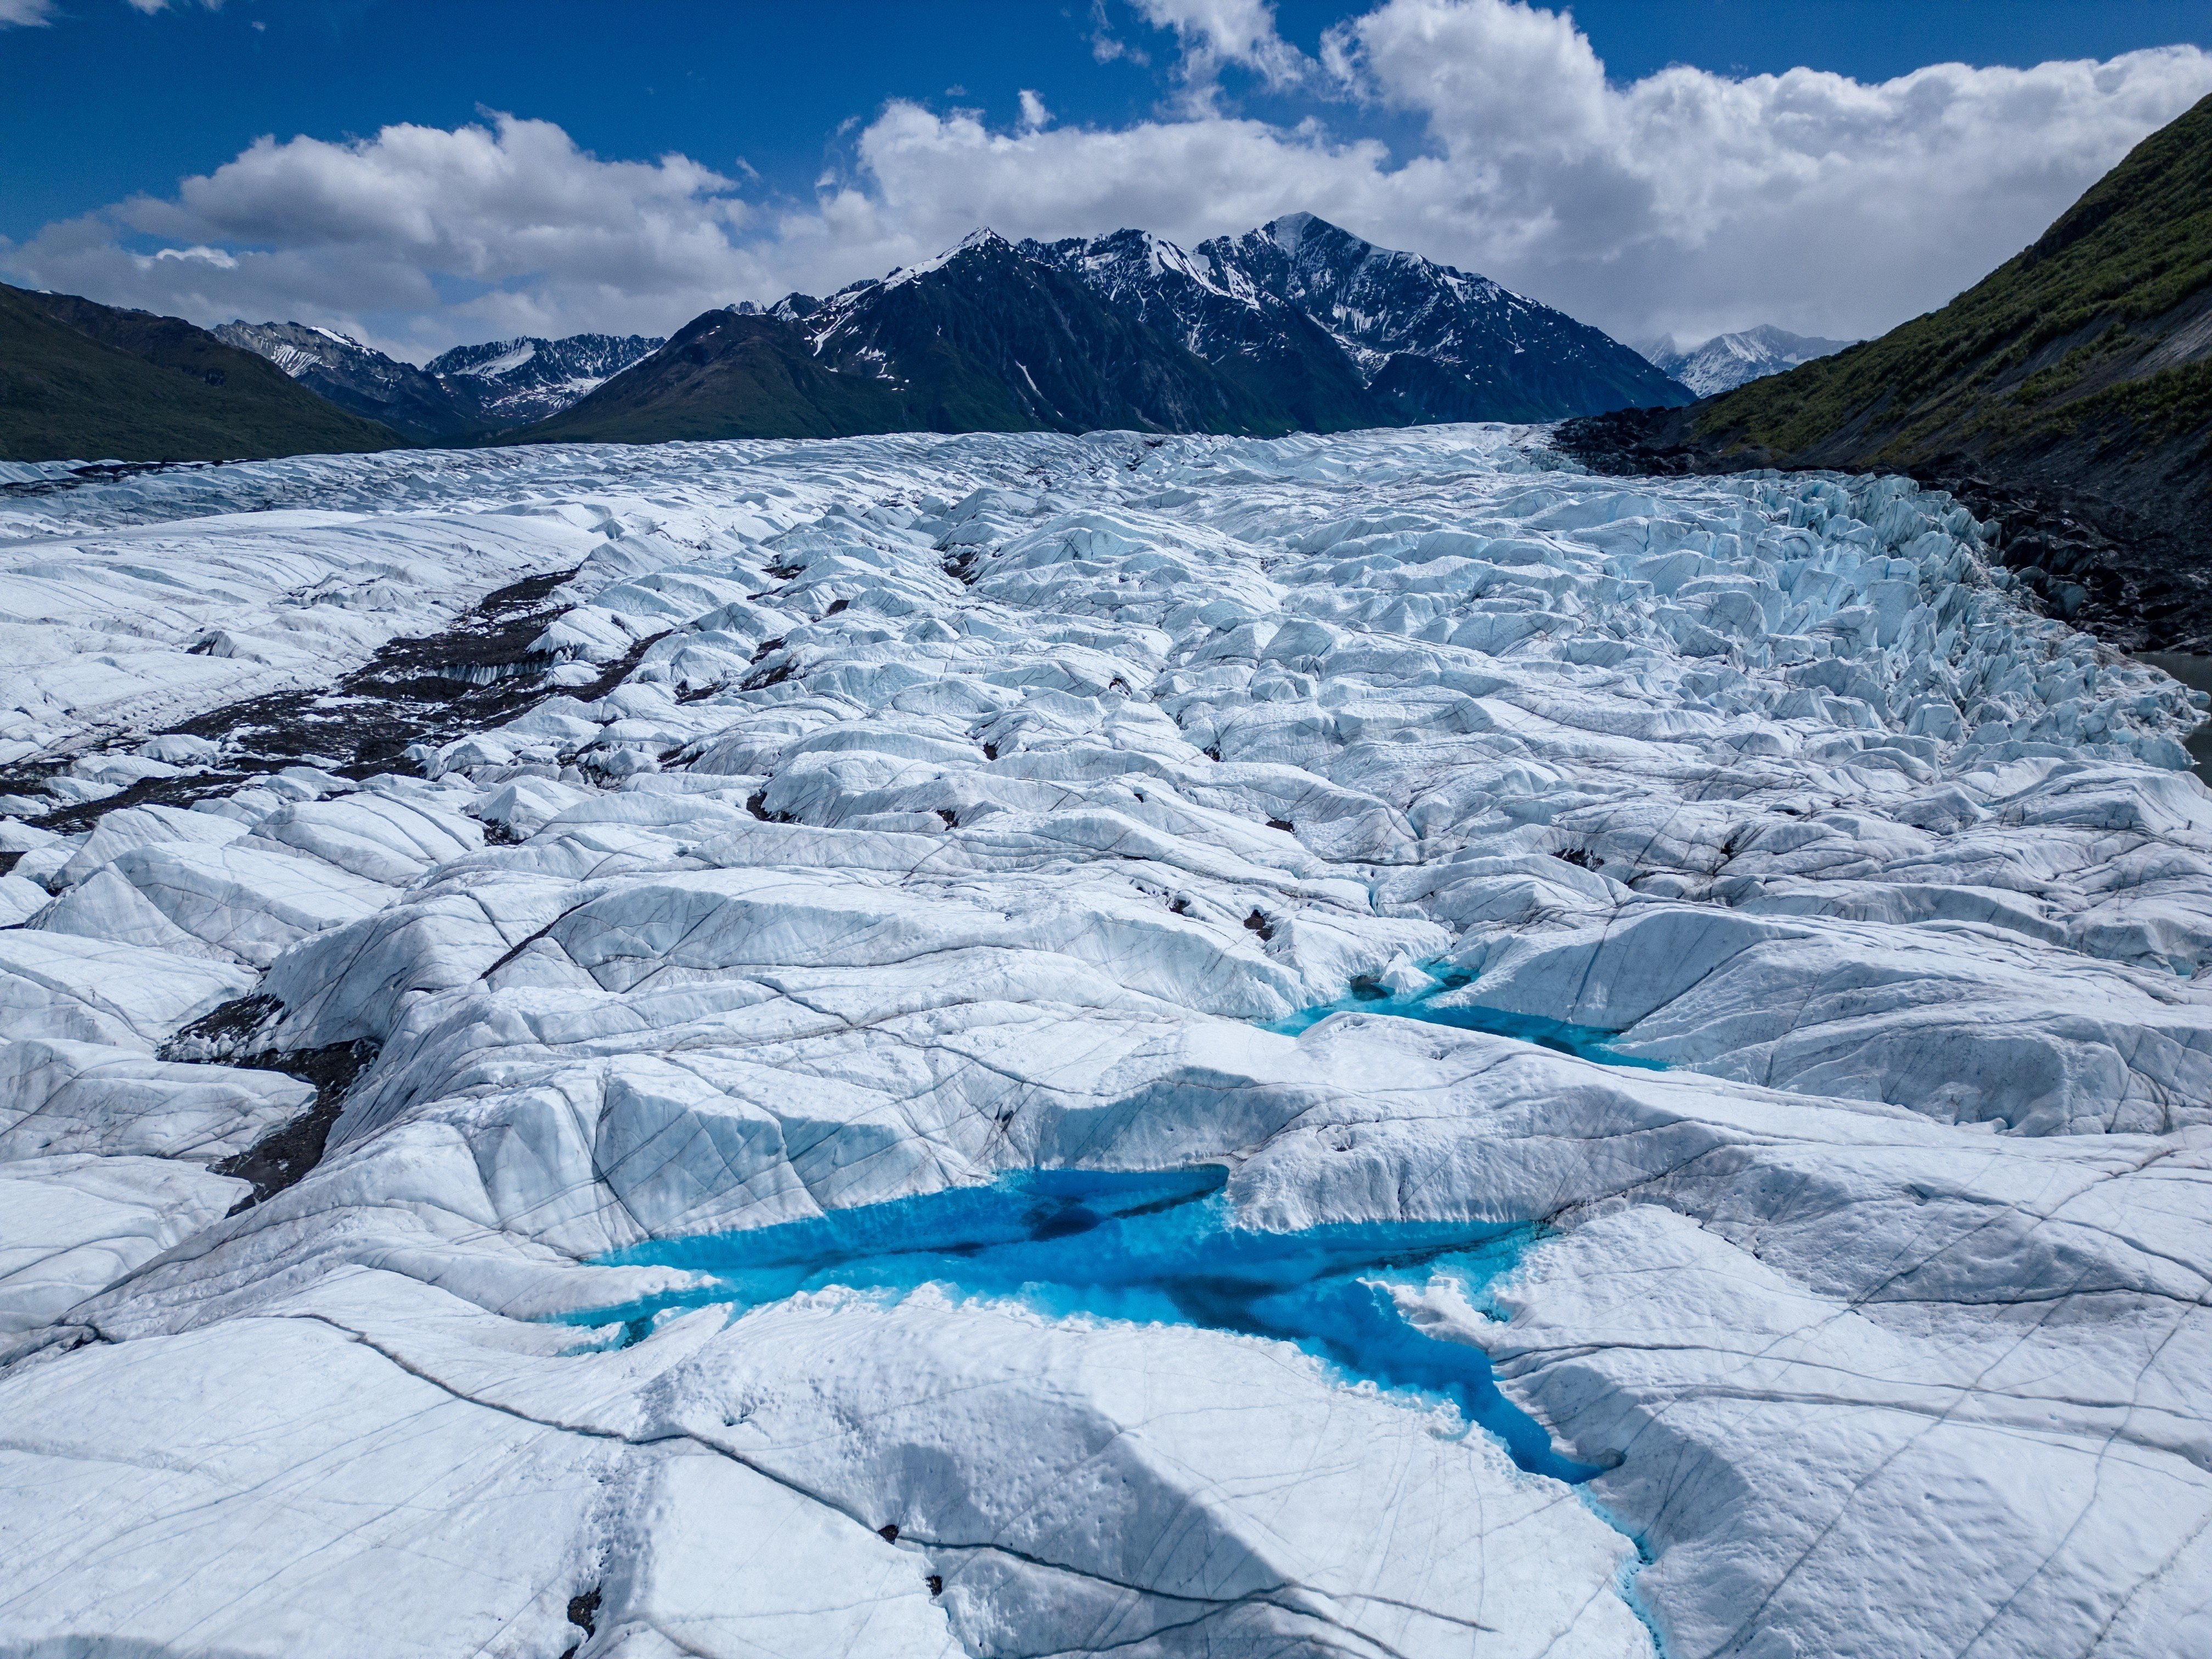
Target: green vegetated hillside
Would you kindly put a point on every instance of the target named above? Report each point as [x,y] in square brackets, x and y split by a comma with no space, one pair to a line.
[80,381]
[2085,360]
[2068,396]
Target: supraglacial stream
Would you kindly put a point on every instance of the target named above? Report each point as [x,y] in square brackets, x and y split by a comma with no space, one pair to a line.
[1584,1041]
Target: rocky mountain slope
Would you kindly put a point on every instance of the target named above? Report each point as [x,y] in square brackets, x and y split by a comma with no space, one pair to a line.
[357,378]
[84,382]
[1281,357]
[1347,334]
[1434,344]
[511,383]
[1728,360]
[2070,391]
[983,339]
[1296,326]
[1366,1045]
[458,396]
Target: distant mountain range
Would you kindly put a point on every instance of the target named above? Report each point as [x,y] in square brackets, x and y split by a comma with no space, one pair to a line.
[1728,360]
[465,394]
[1295,326]
[2068,394]
[1298,326]
[515,382]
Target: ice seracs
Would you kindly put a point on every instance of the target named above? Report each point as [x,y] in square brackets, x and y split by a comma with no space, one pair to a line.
[881,821]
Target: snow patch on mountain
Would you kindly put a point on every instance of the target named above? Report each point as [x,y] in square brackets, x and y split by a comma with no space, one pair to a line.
[462,393]
[518,381]
[1728,360]
[981,238]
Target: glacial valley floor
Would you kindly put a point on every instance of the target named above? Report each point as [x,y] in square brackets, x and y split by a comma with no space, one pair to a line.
[1027,1045]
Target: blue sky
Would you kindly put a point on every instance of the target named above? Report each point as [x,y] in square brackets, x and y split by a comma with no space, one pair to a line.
[826,141]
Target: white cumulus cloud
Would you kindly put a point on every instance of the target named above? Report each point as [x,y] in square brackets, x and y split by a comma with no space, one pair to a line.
[476,231]
[1697,201]
[1215,35]
[1685,201]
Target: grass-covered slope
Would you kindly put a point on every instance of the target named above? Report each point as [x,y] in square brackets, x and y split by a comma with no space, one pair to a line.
[80,381]
[2086,358]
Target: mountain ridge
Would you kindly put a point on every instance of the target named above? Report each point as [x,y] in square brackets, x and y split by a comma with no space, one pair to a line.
[530,377]
[80,381]
[980,339]
[1728,360]
[1402,318]
[1298,326]
[462,396]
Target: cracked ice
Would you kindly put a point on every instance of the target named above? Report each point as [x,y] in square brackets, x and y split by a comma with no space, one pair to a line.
[952,808]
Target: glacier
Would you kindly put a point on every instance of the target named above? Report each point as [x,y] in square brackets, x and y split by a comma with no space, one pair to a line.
[1024,1044]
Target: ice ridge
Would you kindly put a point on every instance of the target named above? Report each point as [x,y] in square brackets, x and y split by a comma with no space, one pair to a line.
[993,1044]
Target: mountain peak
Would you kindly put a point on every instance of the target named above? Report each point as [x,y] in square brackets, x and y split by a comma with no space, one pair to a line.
[457,395]
[981,238]
[1287,232]
[1297,325]
[1728,360]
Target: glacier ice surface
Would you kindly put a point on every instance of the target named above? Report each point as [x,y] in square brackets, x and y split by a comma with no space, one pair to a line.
[1038,1045]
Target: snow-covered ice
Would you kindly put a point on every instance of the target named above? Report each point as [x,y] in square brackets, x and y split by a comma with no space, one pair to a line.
[1746,1194]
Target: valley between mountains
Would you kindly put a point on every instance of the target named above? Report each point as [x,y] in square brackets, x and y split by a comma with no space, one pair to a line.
[1029,1043]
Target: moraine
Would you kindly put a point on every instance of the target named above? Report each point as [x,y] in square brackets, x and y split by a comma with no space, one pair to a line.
[836,837]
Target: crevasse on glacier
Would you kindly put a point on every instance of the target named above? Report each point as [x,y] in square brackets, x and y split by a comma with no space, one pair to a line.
[739,1234]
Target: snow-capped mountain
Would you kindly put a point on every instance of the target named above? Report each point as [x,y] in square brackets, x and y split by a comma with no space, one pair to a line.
[1298,326]
[985,337]
[464,394]
[1215,313]
[1384,336]
[357,378]
[518,381]
[1726,360]
[1433,342]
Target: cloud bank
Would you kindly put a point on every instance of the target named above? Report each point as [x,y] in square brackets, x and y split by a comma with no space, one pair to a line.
[1687,202]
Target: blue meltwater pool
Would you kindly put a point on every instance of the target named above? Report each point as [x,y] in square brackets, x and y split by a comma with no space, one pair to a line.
[1152,1247]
